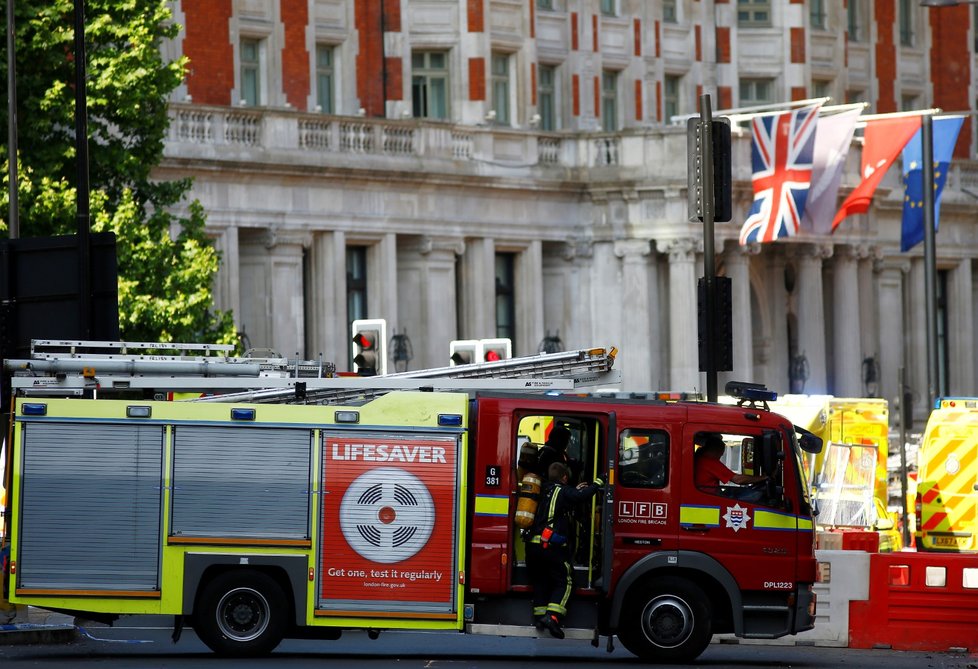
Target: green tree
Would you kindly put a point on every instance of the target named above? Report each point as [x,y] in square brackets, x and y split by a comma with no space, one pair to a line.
[166,262]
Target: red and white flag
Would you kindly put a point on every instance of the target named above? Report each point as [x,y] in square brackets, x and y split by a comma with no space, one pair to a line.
[884,139]
[833,137]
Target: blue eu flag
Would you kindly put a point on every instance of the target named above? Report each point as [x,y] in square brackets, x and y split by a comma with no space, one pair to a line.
[945,136]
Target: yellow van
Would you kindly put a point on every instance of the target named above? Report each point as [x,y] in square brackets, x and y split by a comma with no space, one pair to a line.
[947,475]
[849,476]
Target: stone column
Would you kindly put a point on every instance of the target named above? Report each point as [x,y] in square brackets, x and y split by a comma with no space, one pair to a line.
[227,283]
[683,350]
[382,282]
[848,352]
[426,296]
[529,300]
[272,289]
[736,260]
[811,316]
[326,299]
[869,259]
[891,322]
[477,308]
[960,333]
[635,358]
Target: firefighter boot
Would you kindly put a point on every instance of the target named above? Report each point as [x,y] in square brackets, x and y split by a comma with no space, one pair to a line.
[552,625]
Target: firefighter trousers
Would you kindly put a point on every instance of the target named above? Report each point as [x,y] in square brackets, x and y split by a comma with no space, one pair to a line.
[551,576]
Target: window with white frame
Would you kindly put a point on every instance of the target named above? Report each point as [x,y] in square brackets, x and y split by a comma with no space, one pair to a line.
[609,100]
[429,84]
[250,62]
[545,4]
[821,88]
[325,79]
[609,7]
[669,13]
[751,13]
[856,13]
[816,14]
[909,102]
[499,83]
[907,22]
[670,96]
[547,97]
[756,92]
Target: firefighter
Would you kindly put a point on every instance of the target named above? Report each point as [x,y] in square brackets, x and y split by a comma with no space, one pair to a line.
[555,450]
[710,473]
[548,553]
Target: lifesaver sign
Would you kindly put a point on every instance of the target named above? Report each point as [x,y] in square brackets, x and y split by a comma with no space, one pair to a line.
[388,522]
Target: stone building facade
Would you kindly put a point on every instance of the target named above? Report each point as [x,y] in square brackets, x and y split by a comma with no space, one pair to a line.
[483,168]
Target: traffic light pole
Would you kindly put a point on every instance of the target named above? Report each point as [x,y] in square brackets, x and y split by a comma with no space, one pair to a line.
[709,260]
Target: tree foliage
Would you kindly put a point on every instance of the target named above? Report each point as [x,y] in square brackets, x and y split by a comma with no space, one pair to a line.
[166,262]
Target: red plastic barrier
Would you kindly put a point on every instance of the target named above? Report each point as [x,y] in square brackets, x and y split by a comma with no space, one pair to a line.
[918,601]
[861,540]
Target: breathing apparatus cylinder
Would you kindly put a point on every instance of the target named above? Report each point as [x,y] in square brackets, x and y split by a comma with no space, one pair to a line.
[527,500]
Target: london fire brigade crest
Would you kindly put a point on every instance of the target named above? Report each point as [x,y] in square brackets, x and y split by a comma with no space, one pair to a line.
[737,517]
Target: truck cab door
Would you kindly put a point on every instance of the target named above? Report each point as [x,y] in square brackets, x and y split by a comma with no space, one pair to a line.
[607,510]
[741,529]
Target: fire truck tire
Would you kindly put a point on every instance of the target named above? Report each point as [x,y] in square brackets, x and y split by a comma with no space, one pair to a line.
[241,613]
[666,620]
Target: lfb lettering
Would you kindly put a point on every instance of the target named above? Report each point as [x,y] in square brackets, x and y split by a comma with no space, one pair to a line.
[656,510]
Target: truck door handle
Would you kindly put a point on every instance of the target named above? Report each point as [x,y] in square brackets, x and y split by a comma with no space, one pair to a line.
[696,527]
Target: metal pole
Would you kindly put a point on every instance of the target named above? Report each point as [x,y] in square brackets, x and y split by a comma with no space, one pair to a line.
[709,263]
[904,485]
[13,218]
[930,262]
[81,195]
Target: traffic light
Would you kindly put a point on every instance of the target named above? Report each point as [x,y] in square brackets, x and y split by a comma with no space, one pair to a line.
[464,352]
[369,346]
[494,350]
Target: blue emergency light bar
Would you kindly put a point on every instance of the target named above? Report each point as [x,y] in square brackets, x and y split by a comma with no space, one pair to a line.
[750,391]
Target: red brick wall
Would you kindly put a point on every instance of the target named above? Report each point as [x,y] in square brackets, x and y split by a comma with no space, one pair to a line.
[658,101]
[594,33]
[798,93]
[723,44]
[597,97]
[725,95]
[295,56]
[698,32]
[638,99]
[658,44]
[797,45]
[574,29]
[392,16]
[477,19]
[886,57]
[395,79]
[207,43]
[477,78]
[370,59]
[533,18]
[637,29]
[576,94]
[950,66]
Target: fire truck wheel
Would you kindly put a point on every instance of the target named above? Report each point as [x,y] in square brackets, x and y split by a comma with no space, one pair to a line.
[666,621]
[241,613]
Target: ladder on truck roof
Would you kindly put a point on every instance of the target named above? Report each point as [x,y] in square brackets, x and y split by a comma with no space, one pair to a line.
[59,368]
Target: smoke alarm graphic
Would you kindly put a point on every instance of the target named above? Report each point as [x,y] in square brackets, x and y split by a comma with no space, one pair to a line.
[387,515]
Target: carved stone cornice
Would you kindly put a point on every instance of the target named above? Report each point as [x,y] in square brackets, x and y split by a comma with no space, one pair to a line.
[572,250]
[428,244]
[632,249]
[683,249]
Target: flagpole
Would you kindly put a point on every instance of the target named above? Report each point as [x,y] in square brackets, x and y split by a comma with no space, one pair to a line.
[930,260]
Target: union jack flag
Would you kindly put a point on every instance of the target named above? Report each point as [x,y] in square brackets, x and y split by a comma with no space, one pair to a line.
[781,155]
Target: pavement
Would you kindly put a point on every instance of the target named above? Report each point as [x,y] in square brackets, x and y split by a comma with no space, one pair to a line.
[31,625]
